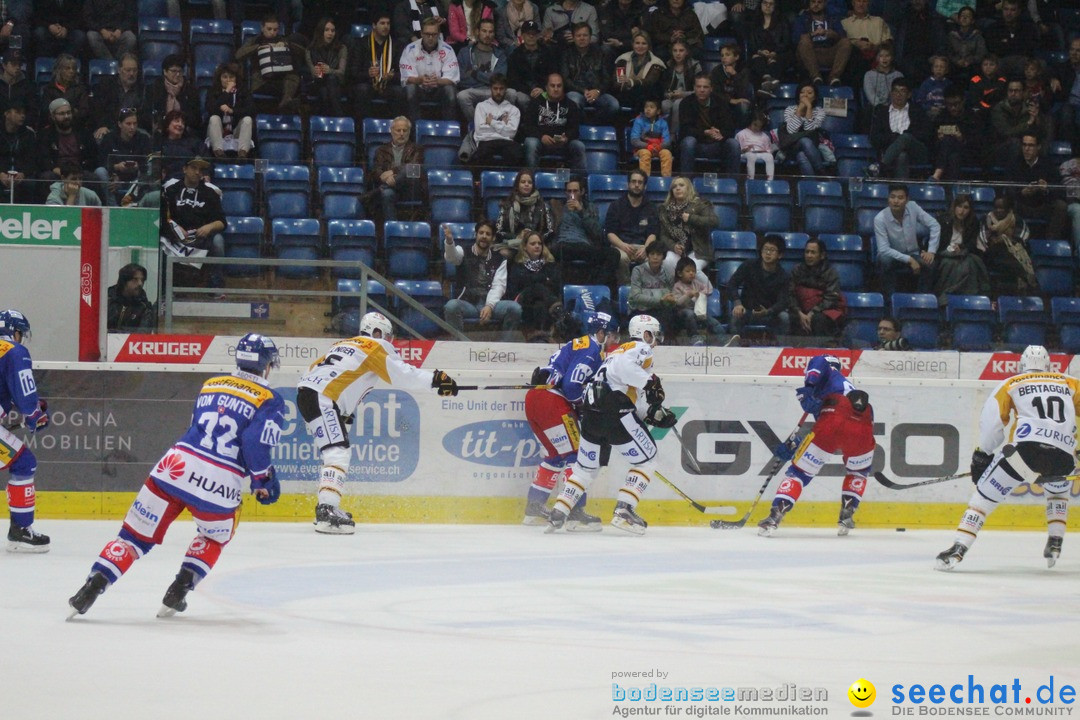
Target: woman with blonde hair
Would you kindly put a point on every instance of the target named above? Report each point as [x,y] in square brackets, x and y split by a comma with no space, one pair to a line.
[534,282]
[686,224]
[638,73]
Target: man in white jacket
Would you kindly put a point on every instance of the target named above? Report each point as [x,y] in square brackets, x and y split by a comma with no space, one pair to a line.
[429,71]
[495,123]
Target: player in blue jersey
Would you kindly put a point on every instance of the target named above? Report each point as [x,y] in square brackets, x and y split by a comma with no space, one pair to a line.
[845,424]
[553,416]
[236,423]
[18,396]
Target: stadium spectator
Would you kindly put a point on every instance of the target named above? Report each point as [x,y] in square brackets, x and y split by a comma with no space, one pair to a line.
[1012,37]
[63,143]
[57,28]
[130,310]
[171,92]
[691,291]
[1003,242]
[463,21]
[707,129]
[1012,118]
[524,209]
[551,125]
[931,94]
[230,113]
[967,47]
[820,42]
[1067,75]
[877,82]
[195,208]
[123,154]
[867,34]
[1070,178]
[534,283]
[920,33]
[482,277]
[373,67]
[272,65]
[110,27]
[987,88]
[650,137]
[561,17]
[391,172]
[19,155]
[760,290]
[651,290]
[673,20]
[69,189]
[66,84]
[898,231]
[756,144]
[889,337]
[116,92]
[175,144]
[801,134]
[530,64]
[900,132]
[495,125]
[510,18]
[619,20]
[770,46]
[15,22]
[326,58]
[956,135]
[587,76]
[408,17]
[429,71]
[817,305]
[631,224]
[677,81]
[14,84]
[638,73]
[686,224]
[1037,195]
[960,269]
[478,63]
[731,80]
[579,238]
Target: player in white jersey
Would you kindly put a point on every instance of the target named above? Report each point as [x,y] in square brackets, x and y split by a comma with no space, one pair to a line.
[1030,420]
[609,417]
[327,396]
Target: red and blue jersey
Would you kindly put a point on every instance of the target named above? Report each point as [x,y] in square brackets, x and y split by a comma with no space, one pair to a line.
[17,387]
[824,379]
[573,365]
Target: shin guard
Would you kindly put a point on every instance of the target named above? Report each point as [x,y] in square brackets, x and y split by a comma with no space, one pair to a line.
[201,555]
[331,485]
[116,558]
[1057,514]
[21,497]
[570,495]
[637,481]
[852,490]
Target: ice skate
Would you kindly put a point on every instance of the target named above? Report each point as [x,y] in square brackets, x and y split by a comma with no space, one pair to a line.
[846,523]
[536,514]
[581,521]
[627,520]
[1052,551]
[950,558]
[174,600]
[768,526]
[556,520]
[26,540]
[81,601]
[333,520]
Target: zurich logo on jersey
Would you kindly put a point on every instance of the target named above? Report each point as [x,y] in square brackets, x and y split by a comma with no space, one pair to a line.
[1023,431]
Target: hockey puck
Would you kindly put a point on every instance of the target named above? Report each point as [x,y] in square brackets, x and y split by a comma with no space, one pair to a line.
[901,529]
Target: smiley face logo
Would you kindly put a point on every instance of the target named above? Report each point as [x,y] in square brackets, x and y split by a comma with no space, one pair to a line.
[862,693]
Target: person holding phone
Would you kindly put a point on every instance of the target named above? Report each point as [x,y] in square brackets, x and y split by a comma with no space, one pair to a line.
[123,152]
[550,126]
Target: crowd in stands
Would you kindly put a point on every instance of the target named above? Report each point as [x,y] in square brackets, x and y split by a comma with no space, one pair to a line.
[128,95]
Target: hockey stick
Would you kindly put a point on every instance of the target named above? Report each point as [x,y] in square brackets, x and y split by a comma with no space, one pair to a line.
[1007,451]
[686,451]
[700,507]
[773,469]
[503,387]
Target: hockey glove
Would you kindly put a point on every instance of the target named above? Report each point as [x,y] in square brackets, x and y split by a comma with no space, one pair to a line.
[39,419]
[786,451]
[654,391]
[807,400]
[540,376]
[444,383]
[979,462]
[660,416]
[270,484]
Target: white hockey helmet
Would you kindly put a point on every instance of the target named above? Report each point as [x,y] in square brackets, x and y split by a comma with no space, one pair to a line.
[376,321]
[641,324]
[1034,359]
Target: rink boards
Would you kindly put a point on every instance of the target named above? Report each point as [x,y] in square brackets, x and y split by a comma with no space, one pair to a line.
[421,458]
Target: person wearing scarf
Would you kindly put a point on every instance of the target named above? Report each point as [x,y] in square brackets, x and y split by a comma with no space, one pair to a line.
[373,67]
[523,209]
[170,93]
[1003,244]
[534,282]
[638,72]
[686,224]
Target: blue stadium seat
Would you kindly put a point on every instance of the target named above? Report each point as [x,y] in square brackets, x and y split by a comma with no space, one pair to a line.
[982,199]
[1023,321]
[351,241]
[919,314]
[297,239]
[853,154]
[99,69]
[657,187]
[287,190]
[428,293]
[723,193]
[249,29]
[441,141]
[153,8]
[822,205]
[374,132]
[574,298]
[770,205]
[1054,266]
[333,140]
[408,249]
[495,186]
[601,148]
[864,310]
[280,137]
[1065,312]
[43,69]
[374,291]
[237,183]
[359,30]
[243,239]
[784,97]
[151,69]
[451,195]
[972,320]
[794,244]
[734,245]
[550,186]
[1058,152]
[624,304]
[340,189]
[834,123]
[464,235]
[211,40]
[710,55]
[846,254]
[929,197]
[867,203]
[606,188]
[159,38]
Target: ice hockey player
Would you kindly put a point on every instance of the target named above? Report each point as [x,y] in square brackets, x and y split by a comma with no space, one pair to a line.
[18,392]
[553,416]
[609,416]
[844,424]
[1027,432]
[327,397]
[236,423]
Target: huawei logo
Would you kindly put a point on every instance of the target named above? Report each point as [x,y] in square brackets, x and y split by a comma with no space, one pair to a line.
[173,465]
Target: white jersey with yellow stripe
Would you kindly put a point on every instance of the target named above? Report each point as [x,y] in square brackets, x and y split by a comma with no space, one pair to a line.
[351,368]
[627,368]
[1035,407]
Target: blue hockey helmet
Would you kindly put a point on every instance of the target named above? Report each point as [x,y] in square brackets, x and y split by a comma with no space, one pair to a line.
[596,322]
[255,353]
[12,321]
[834,363]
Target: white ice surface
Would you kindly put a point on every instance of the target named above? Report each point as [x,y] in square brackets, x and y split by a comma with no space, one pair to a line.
[468,622]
